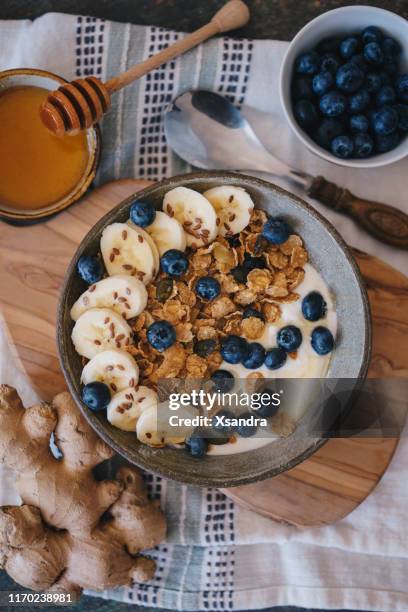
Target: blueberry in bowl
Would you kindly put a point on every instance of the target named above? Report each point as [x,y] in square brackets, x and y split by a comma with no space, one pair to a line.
[354,68]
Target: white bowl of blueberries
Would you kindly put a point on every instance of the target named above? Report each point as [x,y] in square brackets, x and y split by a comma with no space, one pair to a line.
[344,86]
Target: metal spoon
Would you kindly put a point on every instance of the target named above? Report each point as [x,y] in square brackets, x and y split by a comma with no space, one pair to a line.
[209,132]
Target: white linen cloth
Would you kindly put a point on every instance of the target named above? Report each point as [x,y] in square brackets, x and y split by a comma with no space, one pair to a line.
[219,556]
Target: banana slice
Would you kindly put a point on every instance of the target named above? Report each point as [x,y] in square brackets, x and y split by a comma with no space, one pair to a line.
[126,251]
[154,428]
[151,242]
[167,233]
[99,329]
[195,214]
[115,368]
[125,407]
[126,295]
[233,206]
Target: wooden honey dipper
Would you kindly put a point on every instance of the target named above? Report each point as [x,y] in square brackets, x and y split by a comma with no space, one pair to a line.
[77,105]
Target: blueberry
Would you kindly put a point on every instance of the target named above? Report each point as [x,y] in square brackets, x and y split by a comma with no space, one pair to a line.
[234,241]
[349,77]
[142,213]
[385,96]
[302,88]
[223,427]
[333,104]
[276,230]
[360,61]
[246,430]
[327,130]
[254,356]
[349,46]
[402,110]
[289,338]
[387,142]
[240,274]
[373,54]
[329,45]
[390,66]
[371,34]
[267,408]
[203,348]
[322,82]
[308,63]
[359,123]
[161,335]
[391,47]
[90,269]
[359,101]
[275,358]
[373,82]
[342,146]
[197,447]
[401,85]
[96,396]
[252,312]
[385,121]
[306,114]
[363,145]
[314,306]
[233,349]
[207,288]
[223,381]
[253,263]
[322,340]
[385,77]
[174,263]
[330,62]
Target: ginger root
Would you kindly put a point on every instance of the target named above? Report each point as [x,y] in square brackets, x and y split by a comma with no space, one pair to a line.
[58,539]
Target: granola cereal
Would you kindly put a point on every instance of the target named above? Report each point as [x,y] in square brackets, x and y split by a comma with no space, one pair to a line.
[254,288]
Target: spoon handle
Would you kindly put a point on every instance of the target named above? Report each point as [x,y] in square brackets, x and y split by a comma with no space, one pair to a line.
[386,223]
[234,14]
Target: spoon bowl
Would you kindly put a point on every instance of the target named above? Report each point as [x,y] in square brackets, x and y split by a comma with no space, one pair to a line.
[209,132]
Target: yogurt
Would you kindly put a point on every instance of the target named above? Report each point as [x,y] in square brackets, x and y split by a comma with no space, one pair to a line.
[307,364]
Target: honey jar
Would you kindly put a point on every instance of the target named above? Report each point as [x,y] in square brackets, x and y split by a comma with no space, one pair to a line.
[40,173]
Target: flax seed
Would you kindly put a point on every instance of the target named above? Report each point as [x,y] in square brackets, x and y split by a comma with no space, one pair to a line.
[124,234]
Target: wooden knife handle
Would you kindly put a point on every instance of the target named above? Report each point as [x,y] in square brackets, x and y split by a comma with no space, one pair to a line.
[386,223]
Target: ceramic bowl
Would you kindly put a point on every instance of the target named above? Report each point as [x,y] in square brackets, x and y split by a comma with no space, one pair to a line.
[342,21]
[48,80]
[331,257]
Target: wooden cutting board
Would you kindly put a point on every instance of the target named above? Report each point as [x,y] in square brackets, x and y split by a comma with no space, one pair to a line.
[33,261]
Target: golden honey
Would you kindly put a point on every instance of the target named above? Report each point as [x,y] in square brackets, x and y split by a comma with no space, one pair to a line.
[36,167]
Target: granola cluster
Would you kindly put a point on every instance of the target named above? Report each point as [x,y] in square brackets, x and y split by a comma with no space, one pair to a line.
[280,269]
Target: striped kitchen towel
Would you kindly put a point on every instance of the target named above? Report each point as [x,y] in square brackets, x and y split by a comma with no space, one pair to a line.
[217,555]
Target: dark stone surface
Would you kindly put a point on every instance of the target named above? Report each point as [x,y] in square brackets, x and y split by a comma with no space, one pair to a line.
[279,19]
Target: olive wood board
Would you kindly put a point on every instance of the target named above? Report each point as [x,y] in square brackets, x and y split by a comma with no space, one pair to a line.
[321,490]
